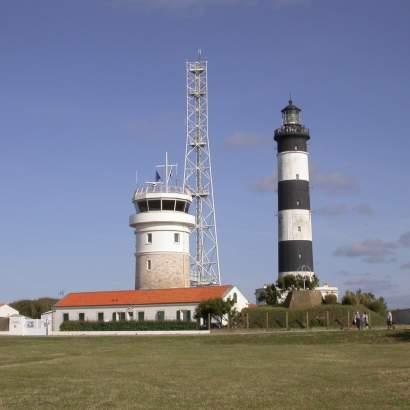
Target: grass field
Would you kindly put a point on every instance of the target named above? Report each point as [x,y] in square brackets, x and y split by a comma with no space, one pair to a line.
[307,370]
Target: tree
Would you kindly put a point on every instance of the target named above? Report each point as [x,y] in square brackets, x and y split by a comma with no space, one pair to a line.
[288,282]
[368,299]
[217,308]
[270,295]
[34,308]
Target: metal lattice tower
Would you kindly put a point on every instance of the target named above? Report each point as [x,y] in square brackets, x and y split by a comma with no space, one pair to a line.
[198,177]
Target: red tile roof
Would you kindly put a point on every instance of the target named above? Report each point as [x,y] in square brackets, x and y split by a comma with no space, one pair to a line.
[143,297]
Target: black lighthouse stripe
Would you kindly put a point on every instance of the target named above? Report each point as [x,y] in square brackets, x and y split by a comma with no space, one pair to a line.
[292,143]
[295,255]
[293,194]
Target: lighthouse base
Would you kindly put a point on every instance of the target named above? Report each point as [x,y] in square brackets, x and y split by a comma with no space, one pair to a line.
[303,299]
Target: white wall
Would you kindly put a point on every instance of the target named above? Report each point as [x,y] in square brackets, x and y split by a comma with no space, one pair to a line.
[24,326]
[292,163]
[241,302]
[289,222]
[7,311]
[162,239]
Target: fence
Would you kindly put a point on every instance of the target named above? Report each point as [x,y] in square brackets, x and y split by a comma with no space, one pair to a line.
[279,318]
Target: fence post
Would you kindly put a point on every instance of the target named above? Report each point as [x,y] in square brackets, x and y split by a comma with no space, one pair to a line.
[209,321]
[307,320]
[327,318]
[348,319]
[287,320]
[247,320]
[267,320]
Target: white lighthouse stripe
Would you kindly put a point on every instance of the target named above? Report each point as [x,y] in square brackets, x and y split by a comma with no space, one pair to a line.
[293,165]
[295,225]
[301,272]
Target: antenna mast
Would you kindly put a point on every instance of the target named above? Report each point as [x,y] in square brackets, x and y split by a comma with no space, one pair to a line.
[198,177]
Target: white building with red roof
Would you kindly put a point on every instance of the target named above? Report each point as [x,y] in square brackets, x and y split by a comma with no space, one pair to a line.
[139,305]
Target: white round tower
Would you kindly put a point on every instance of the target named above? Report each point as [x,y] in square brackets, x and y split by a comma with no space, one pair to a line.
[162,228]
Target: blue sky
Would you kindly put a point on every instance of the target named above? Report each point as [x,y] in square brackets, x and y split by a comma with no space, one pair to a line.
[93,90]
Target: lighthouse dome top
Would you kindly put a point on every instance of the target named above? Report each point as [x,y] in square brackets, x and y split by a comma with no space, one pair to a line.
[291,107]
[291,114]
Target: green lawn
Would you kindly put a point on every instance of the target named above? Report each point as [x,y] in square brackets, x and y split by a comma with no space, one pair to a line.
[314,370]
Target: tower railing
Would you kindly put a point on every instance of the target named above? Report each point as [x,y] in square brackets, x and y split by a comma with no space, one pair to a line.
[292,129]
[161,188]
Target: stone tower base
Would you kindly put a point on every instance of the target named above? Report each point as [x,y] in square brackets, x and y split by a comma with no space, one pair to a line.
[168,270]
[303,299]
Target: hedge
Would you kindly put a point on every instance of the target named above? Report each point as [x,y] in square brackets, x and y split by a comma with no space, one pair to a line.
[271,317]
[70,325]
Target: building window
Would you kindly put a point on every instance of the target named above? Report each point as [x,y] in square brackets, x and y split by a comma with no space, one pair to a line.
[180,206]
[235,297]
[176,237]
[66,317]
[81,317]
[299,228]
[100,316]
[130,315]
[114,317]
[297,176]
[141,316]
[121,315]
[184,315]
[149,264]
[149,237]
[142,206]
[168,205]
[154,205]
[160,315]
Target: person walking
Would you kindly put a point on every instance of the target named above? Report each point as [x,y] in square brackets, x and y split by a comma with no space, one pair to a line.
[366,320]
[389,320]
[358,321]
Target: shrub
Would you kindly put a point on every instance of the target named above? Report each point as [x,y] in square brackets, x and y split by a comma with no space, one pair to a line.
[330,300]
[270,295]
[217,308]
[126,325]
[367,299]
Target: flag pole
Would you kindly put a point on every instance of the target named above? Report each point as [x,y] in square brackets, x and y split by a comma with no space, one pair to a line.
[166,172]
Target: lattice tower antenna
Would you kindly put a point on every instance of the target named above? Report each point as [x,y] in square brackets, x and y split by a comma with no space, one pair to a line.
[198,177]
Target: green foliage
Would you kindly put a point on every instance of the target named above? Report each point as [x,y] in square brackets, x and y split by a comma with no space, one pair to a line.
[217,308]
[367,299]
[330,300]
[288,282]
[34,308]
[126,325]
[270,295]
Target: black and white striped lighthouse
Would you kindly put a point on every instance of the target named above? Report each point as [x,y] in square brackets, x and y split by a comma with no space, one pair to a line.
[294,215]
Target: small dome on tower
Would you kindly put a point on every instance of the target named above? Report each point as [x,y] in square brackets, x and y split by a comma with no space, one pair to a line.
[291,114]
